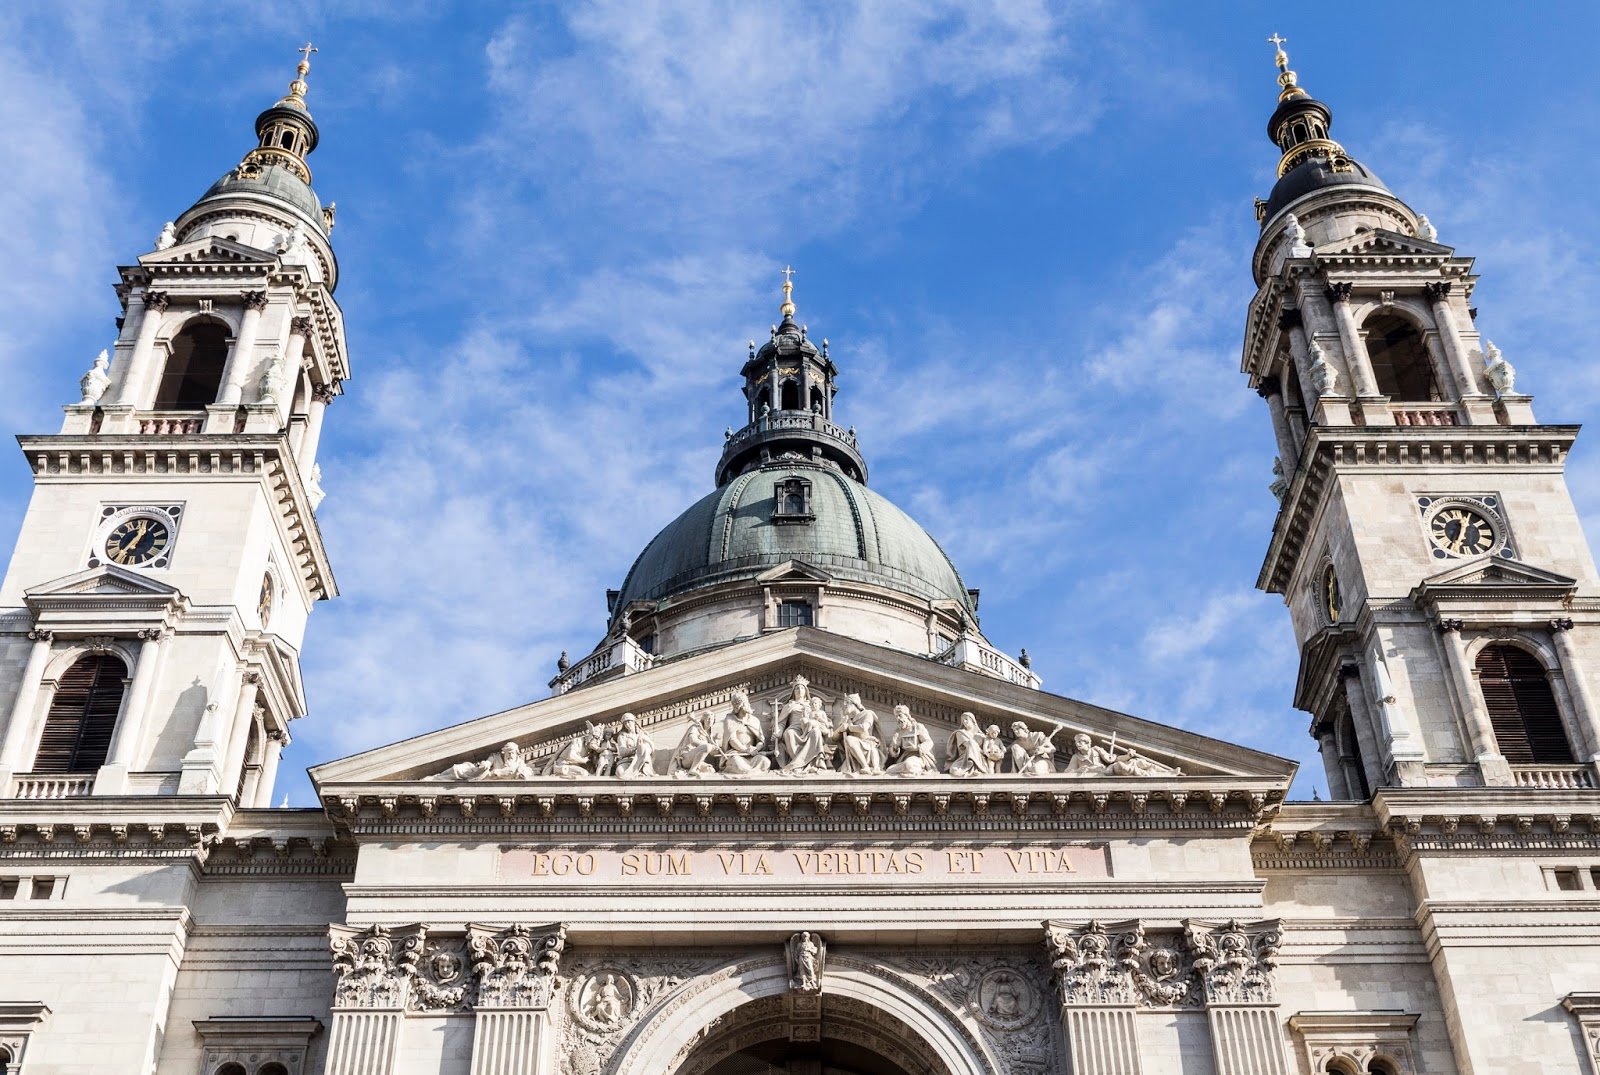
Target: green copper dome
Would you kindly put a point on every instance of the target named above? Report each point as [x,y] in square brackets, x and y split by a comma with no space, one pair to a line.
[738,533]
[270,181]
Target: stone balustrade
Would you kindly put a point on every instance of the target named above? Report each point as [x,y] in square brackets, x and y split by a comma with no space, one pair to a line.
[171,425]
[969,652]
[1553,776]
[622,657]
[791,420]
[51,785]
[1424,416]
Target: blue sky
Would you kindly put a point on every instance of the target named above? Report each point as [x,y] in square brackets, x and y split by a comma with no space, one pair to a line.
[1025,228]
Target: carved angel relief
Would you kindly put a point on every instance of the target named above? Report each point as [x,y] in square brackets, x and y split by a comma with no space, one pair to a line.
[806,734]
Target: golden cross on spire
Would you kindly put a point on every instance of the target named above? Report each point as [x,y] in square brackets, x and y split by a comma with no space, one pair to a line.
[787,309]
[305,56]
[1277,41]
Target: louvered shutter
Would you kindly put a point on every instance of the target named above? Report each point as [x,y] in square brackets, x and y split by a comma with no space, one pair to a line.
[83,716]
[1522,707]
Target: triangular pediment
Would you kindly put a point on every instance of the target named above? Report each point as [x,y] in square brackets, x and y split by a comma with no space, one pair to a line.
[1495,572]
[108,580]
[794,571]
[208,250]
[667,698]
[1383,241]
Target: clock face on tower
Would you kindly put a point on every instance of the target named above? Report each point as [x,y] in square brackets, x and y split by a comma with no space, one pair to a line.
[1461,531]
[137,540]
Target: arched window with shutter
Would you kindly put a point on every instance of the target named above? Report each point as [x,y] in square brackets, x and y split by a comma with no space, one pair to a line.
[83,716]
[1522,707]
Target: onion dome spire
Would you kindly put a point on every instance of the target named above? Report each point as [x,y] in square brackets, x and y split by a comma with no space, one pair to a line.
[1300,124]
[286,131]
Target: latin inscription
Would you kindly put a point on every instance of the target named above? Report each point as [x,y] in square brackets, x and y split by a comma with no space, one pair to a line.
[604,865]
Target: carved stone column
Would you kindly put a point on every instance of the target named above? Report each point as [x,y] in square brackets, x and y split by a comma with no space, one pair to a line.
[516,969]
[112,778]
[1098,996]
[19,729]
[1236,964]
[1588,719]
[1492,765]
[373,970]
[238,740]
[1460,367]
[242,358]
[131,392]
[1356,358]
[1271,390]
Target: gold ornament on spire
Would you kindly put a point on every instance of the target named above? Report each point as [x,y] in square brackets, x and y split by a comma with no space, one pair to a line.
[1286,78]
[298,88]
[787,309]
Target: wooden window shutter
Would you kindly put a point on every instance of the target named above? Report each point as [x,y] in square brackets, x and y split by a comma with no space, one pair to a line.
[83,716]
[1522,707]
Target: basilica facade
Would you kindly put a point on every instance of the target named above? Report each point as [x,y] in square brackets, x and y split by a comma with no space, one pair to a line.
[794,812]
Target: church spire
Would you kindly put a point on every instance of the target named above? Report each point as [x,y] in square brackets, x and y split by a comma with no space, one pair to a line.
[1299,126]
[286,131]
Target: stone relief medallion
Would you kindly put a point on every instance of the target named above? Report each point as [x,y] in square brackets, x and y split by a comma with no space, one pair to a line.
[1004,999]
[603,999]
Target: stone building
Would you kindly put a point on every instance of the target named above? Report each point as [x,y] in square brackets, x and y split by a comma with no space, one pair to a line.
[794,813]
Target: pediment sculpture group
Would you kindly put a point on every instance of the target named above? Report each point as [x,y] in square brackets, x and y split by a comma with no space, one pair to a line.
[805,736]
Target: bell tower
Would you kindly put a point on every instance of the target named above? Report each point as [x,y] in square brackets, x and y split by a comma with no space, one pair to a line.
[152,614]
[1439,583]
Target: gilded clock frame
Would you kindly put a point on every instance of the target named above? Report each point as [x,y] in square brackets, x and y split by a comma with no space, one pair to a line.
[169,515]
[1491,506]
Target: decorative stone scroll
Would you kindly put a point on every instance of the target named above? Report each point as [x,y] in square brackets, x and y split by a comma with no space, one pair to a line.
[516,967]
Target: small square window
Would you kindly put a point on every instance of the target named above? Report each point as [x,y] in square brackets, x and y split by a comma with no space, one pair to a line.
[791,500]
[1562,879]
[794,614]
[8,888]
[43,888]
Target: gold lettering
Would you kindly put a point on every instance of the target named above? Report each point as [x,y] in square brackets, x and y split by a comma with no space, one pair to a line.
[957,860]
[804,860]
[541,864]
[914,863]
[728,858]
[1017,858]
[630,864]
[677,865]
[763,867]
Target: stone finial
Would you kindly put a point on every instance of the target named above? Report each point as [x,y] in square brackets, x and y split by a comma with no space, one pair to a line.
[562,662]
[1426,229]
[1296,234]
[1501,374]
[1025,660]
[1324,378]
[168,236]
[95,382]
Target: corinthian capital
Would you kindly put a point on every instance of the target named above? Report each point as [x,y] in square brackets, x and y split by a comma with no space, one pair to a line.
[255,300]
[300,326]
[1438,289]
[1091,961]
[1340,292]
[156,300]
[1235,961]
[373,967]
[516,967]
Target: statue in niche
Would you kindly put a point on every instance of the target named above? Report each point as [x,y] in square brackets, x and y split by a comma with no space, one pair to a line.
[1091,760]
[97,380]
[802,732]
[1032,753]
[743,741]
[805,956]
[634,750]
[586,756]
[964,750]
[857,733]
[1005,1002]
[508,764]
[694,753]
[912,746]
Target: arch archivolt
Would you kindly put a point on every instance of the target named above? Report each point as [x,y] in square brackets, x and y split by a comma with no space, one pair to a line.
[881,1010]
[1538,647]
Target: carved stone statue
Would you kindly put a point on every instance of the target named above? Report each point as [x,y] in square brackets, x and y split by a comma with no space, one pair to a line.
[801,732]
[314,491]
[292,240]
[994,748]
[743,741]
[1280,484]
[1324,378]
[696,750]
[635,750]
[508,764]
[274,379]
[1426,229]
[1032,753]
[806,953]
[912,746]
[1501,374]
[96,381]
[857,733]
[1091,760]
[168,236]
[606,1005]
[964,754]
[586,756]
[1296,235]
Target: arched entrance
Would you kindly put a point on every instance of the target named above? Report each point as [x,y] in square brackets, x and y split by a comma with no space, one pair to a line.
[743,1020]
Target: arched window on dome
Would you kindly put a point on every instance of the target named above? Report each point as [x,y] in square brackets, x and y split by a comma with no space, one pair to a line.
[816,400]
[1522,707]
[1400,361]
[762,404]
[83,716]
[790,398]
[193,373]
